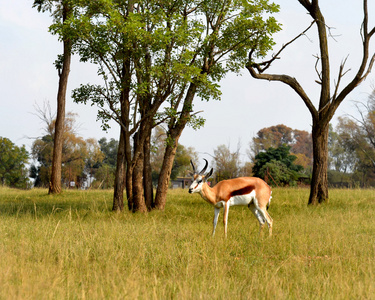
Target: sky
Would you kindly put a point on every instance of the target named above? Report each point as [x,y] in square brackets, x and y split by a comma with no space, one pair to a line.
[29,79]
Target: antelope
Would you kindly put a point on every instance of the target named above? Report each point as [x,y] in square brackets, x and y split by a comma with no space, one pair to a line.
[250,191]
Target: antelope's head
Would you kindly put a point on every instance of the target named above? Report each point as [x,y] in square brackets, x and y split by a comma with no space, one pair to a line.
[199,178]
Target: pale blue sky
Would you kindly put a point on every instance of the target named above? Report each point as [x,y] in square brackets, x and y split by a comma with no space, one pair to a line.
[28,77]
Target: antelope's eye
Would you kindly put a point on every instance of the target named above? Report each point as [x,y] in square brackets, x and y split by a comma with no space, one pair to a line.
[199,181]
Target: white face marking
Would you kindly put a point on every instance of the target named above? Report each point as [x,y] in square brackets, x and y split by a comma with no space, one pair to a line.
[196,186]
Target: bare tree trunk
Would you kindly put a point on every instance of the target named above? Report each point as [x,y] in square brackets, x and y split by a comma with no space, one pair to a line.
[319,181]
[120,176]
[55,183]
[147,173]
[139,204]
[165,175]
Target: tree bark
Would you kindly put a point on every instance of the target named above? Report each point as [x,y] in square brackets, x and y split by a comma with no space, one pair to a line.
[319,180]
[147,173]
[165,175]
[55,183]
[139,204]
[120,176]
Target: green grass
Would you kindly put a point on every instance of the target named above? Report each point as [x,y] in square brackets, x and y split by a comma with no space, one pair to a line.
[73,247]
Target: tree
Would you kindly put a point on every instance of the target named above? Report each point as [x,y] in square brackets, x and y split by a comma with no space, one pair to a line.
[328,101]
[276,136]
[151,53]
[273,136]
[278,163]
[62,13]
[231,29]
[13,160]
[227,164]
[352,146]
[77,155]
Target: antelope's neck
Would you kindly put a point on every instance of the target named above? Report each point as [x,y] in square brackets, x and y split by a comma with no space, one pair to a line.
[208,194]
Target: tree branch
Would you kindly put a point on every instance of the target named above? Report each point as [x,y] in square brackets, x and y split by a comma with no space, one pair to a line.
[291,81]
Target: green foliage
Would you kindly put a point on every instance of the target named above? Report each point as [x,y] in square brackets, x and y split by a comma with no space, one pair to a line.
[181,164]
[168,44]
[279,163]
[73,247]
[13,160]
[280,174]
[105,170]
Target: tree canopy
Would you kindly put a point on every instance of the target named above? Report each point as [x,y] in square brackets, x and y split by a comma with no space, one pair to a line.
[279,164]
[13,160]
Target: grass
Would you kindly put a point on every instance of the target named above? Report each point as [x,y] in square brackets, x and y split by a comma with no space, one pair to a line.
[73,247]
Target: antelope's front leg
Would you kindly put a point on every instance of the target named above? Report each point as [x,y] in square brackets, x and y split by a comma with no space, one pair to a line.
[216,217]
[226,211]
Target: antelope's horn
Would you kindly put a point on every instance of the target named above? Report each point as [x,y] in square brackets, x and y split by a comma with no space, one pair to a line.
[193,167]
[205,167]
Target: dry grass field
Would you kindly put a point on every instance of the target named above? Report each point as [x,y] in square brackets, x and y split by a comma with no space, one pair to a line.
[73,247]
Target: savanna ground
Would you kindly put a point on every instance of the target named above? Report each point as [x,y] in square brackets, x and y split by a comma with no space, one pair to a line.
[73,247]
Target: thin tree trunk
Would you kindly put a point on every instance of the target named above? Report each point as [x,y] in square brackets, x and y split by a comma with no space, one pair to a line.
[319,181]
[55,183]
[147,173]
[120,176]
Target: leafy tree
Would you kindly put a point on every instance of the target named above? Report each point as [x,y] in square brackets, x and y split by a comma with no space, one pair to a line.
[329,100]
[105,170]
[181,164]
[280,163]
[13,160]
[276,136]
[77,155]
[62,11]
[273,136]
[151,53]
[109,149]
[279,173]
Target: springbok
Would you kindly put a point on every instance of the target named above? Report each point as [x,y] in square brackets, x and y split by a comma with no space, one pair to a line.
[250,191]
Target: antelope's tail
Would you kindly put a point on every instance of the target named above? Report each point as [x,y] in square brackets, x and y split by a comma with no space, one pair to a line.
[269,201]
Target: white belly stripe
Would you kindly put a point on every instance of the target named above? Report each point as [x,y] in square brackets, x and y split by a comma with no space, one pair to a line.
[242,199]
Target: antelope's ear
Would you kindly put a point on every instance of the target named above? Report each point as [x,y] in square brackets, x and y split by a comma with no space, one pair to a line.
[209,174]
[191,174]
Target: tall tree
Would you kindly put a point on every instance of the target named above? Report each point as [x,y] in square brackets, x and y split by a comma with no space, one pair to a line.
[230,30]
[329,100]
[63,11]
